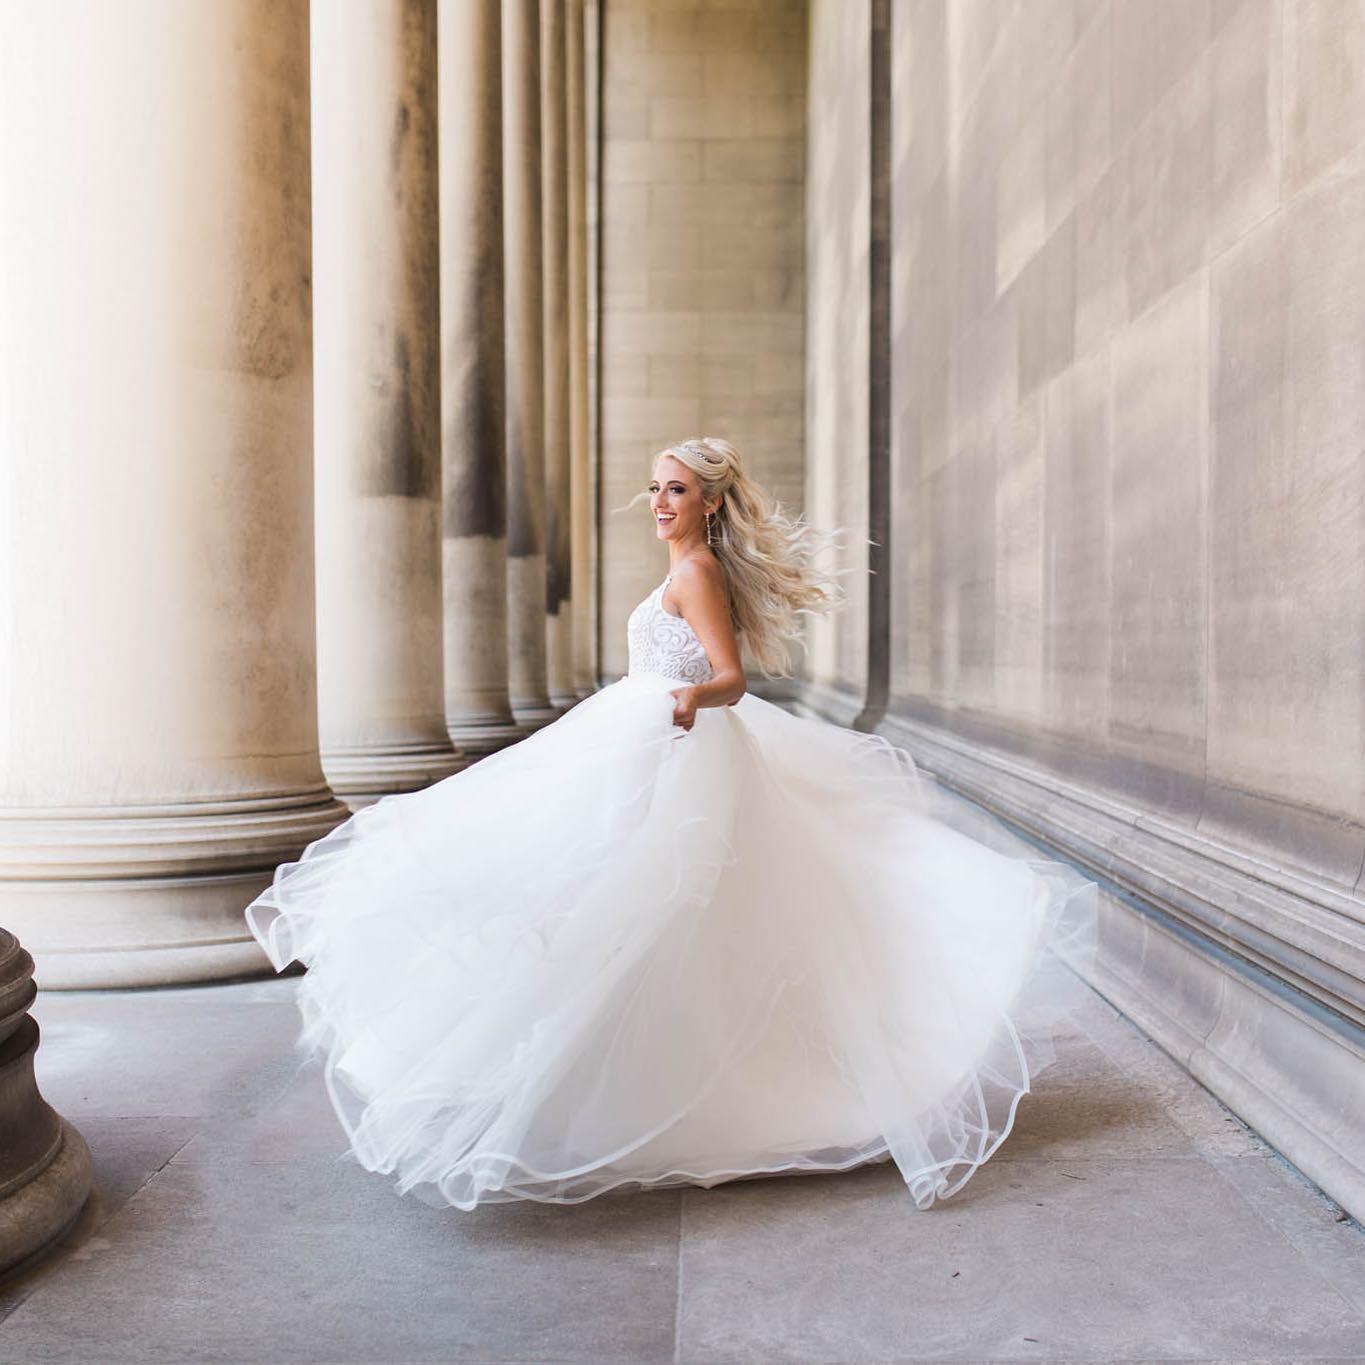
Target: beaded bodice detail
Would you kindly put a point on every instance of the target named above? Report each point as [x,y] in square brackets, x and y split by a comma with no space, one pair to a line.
[660,642]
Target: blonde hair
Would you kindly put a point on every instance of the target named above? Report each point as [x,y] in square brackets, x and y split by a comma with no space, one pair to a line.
[765,554]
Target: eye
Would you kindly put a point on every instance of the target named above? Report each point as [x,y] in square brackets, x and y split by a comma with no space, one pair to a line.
[677,488]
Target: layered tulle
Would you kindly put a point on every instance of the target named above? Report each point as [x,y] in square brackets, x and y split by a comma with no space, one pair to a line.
[618,954]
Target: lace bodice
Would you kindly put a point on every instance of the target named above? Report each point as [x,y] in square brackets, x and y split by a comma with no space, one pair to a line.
[660,642]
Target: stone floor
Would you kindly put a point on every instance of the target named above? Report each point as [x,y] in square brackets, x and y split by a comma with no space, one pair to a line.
[1128,1217]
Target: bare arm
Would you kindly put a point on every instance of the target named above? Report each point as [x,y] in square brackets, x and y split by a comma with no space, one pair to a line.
[699,596]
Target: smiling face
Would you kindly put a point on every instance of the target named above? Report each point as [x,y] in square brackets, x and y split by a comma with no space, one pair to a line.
[676,501]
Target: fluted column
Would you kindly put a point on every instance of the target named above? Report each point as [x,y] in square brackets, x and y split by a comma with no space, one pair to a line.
[473,377]
[525,368]
[158,704]
[381,704]
[554,182]
[581,576]
[45,1167]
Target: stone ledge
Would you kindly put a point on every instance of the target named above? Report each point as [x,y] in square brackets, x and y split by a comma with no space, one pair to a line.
[128,896]
[137,931]
[1307,932]
[244,834]
[1251,976]
[1291,1077]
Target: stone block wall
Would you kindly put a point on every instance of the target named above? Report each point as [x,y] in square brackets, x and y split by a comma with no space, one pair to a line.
[1127,404]
[703,241]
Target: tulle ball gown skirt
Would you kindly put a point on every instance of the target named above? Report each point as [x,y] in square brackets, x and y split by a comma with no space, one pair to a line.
[619,955]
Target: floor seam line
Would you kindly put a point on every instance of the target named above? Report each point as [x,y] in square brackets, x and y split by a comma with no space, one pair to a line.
[678,1282]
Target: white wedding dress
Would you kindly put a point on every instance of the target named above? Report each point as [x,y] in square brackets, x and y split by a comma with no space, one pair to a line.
[617,954]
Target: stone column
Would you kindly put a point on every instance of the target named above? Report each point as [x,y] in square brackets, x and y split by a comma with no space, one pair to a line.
[558,435]
[377,399]
[158,704]
[45,1167]
[473,377]
[582,577]
[525,368]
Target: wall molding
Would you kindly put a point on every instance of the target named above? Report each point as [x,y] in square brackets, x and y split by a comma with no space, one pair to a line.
[1303,930]
[1250,974]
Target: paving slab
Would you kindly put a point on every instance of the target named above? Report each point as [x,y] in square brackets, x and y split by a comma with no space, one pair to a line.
[1147,1258]
[1129,1217]
[127,1153]
[1085,1105]
[204,1051]
[313,1262]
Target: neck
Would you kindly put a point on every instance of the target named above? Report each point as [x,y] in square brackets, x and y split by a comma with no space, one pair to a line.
[678,550]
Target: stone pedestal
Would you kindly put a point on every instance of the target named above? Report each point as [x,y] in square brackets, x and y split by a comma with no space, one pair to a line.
[45,1166]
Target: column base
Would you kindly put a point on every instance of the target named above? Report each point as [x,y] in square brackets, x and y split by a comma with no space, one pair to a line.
[535,715]
[477,738]
[151,897]
[360,776]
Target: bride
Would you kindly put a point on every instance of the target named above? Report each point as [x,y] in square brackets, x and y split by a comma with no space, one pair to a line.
[678,936]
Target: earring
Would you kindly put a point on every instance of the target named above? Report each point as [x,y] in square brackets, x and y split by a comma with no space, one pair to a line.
[710,517]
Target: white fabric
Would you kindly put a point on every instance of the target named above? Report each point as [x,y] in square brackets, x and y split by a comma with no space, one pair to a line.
[660,642]
[616,954]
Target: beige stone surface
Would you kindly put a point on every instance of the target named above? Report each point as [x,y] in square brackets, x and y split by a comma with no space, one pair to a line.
[1158,611]
[158,704]
[702,271]
[1128,543]
[1286,546]
[1020,558]
[1127,411]
[554,181]
[377,399]
[580,40]
[1324,87]
[837,318]
[524,321]
[473,377]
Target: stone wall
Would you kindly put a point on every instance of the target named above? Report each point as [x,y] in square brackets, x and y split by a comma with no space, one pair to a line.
[1130,406]
[702,258]
[1128,411]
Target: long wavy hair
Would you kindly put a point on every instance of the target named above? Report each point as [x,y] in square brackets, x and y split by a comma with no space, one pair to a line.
[768,557]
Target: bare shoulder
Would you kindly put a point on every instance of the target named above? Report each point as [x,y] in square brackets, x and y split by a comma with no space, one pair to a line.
[699,571]
[700,579]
